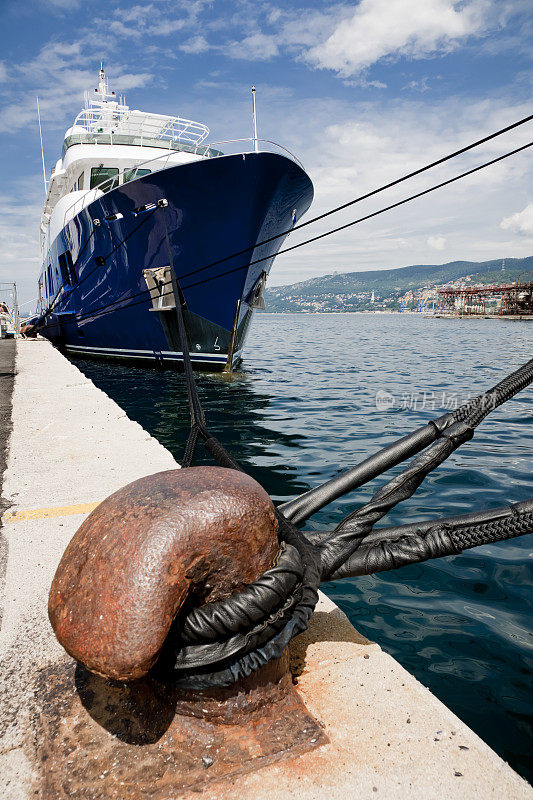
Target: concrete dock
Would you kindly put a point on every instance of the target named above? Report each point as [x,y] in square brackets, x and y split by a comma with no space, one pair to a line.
[69,447]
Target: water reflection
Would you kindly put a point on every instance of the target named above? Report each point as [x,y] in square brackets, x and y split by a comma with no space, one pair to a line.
[232,405]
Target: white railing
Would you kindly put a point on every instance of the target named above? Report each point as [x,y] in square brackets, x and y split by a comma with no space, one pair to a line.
[102,120]
[252,148]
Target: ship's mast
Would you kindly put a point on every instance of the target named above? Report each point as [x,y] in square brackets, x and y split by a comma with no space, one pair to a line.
[254,122]
[103,86]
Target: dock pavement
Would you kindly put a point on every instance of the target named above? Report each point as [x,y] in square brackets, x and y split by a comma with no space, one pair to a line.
[68,446]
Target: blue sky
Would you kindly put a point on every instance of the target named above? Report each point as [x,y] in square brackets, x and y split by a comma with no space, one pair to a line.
[361,92]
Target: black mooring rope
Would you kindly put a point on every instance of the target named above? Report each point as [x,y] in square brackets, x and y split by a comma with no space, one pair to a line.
[226,641]
[410,544]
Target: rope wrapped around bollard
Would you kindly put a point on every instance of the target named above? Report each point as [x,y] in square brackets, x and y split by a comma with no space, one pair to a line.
[349,550]
[208,653]
[217,643]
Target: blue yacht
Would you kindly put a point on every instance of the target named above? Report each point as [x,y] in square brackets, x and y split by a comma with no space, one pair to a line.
[139,209]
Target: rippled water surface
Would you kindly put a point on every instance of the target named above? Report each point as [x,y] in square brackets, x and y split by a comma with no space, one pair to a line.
[303,406]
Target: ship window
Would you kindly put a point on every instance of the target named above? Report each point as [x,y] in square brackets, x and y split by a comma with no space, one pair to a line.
[50,284]
[80,182]
[68,273]
[64,270]
[71,268]
[131,174]
[107,175]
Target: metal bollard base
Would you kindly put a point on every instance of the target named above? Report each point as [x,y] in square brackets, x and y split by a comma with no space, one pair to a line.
[107,740]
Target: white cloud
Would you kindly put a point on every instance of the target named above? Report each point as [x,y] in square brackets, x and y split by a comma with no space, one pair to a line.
[308,27]
[417,86]
[521,222]
[364,83]
[256,47]
[61,97]
[162,18]
[393,28]
[194,45]
[267,35]
[437,242]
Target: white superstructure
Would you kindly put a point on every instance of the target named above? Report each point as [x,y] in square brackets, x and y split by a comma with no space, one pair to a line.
[110,144]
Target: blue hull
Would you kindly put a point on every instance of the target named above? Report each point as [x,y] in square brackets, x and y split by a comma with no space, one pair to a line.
[207,210]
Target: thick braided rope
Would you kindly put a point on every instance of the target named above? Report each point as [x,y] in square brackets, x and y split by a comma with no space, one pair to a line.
[476,409]
[488,532]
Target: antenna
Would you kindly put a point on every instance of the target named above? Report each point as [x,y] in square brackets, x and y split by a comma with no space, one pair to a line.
[42,149]
[254,119]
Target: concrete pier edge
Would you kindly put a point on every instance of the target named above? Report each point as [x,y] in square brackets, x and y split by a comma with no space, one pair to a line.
[389,737]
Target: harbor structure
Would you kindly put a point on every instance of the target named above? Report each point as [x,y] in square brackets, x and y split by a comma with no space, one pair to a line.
[511,300]
[9,310]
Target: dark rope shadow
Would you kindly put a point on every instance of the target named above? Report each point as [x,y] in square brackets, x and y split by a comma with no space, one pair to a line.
[139,712]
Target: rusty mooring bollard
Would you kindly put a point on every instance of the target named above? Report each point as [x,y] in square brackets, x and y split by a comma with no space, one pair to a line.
[171,541]
[198,534]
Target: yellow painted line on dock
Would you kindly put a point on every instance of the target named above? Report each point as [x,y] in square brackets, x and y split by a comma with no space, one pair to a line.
[41,513]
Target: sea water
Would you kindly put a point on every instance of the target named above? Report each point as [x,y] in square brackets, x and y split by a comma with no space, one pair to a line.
[317,393]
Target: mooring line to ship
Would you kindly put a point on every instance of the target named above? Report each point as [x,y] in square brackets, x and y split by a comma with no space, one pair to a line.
[334,230]
[374,191]
[145,292]
[303,224]
[366,217]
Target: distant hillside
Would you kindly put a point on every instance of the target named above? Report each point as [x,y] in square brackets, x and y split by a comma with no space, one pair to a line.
[392,288]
